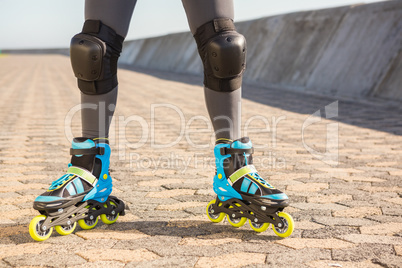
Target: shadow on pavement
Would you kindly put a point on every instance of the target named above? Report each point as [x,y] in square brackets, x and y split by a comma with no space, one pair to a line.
[372,113]
[19,234]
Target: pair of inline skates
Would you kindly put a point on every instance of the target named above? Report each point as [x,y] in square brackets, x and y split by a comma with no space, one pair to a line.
[83,194]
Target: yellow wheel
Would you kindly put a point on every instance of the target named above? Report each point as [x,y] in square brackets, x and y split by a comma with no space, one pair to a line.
[88,224]
[258,227]
[236,222]
[110,218]
[286,230]
[36,232]
[65,230]
[214,217]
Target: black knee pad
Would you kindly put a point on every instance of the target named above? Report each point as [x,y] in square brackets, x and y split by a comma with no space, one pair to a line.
[223,53]
[94,53]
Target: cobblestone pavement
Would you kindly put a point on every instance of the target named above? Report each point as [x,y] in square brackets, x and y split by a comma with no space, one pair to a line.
[347,215]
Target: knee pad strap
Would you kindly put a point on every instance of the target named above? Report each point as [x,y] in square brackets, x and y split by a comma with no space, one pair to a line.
[94,53]
[223,53]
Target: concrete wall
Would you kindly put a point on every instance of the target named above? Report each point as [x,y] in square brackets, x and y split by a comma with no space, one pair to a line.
[348,51]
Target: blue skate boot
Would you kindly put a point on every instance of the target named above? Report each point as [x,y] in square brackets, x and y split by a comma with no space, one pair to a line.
[81,195]
[242,194]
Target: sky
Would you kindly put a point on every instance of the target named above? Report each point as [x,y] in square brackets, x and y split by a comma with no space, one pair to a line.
[51,23]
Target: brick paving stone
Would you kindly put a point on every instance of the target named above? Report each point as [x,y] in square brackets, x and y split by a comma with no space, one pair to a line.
[398,250]
[296,258]
[121,255]
[394,211]
[207,242]
[314,206]
[358,212]
[396,173]
[308,187]
[360,178]
[289,176]
[45,260]
[340,170]
[389,228]
[383,164]
[344,264]
[299,243]
[28,248]
[362,252]
[17,199]
[177,261]
[374,239]
[331,221]
[159,182]
[14,214]
[242,259]
[171,193]
[329,198]
[372,189]
[181,206]
[385,218]
[396,200]
[97,264]
[329,232]
[308,225]
[110,235]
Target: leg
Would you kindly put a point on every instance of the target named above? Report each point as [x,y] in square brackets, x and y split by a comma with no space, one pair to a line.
[97,109]
[223,104]
[83,194]
[241,193]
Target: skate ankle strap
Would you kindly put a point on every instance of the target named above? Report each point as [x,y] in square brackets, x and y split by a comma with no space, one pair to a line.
[242,172]
[89,151]
[225,151]
[83,174]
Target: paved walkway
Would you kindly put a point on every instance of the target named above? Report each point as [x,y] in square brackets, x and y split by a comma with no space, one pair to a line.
[347,215]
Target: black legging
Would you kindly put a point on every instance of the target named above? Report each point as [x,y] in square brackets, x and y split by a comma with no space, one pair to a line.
[117,14]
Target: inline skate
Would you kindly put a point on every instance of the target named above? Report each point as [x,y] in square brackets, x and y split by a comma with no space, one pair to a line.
[81,195]
[242,194]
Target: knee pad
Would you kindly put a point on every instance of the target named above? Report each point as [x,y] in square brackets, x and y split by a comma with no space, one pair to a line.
[94,53]
[223,53]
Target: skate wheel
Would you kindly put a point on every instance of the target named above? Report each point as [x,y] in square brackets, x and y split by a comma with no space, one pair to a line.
[88,224]
[65,230]
[214,217]
[236,222]
[35,231]
[287,230]
[258,227]
[109,218]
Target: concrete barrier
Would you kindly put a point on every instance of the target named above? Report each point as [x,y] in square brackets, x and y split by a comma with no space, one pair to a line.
[352,51]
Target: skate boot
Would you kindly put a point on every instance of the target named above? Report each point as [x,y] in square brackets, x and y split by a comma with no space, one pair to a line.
[242,194]
[81,195]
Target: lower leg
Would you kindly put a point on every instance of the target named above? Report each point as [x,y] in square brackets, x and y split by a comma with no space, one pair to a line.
[224,107]
[98,109]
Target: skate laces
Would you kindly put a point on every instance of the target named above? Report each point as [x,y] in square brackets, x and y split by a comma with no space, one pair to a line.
[261,180]
[60,182]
